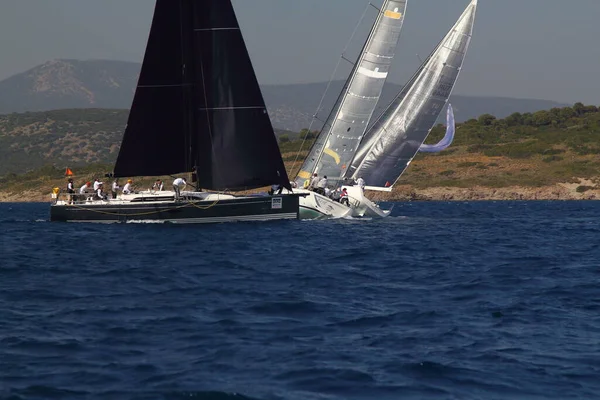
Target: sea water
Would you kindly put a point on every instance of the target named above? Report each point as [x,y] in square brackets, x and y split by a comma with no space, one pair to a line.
[442,300]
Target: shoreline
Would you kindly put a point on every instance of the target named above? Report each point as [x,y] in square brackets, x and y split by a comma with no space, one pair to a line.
[560,191]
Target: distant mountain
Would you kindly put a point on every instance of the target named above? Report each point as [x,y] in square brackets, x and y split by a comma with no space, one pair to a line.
[64,84]
[292,106]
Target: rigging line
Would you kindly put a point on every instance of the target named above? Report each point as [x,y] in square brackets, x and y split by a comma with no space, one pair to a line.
[328,86]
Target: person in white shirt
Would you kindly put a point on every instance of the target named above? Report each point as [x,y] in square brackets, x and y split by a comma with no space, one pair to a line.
[96,184]
[323,182]
[84,188]
[127,189]
[313,182]
[275,189]
[114,188]
[177,184]
[158,185]
[100,193]
[320,188]
[361,183]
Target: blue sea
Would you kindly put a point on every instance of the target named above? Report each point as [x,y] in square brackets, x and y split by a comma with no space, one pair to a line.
[442,300]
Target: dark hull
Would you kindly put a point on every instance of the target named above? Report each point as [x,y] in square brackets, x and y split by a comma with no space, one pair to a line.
[260,208]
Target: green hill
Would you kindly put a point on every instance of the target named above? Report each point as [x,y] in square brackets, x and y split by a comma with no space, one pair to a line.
[528,150]
[72,137]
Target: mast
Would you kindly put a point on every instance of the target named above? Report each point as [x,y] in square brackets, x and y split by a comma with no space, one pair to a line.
[395,138]
[335,146]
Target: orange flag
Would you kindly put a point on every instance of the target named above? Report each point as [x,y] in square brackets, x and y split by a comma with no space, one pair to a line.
[68,172]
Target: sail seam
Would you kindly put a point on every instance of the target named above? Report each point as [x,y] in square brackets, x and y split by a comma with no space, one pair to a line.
[231,108]
[215,29]
[160,86]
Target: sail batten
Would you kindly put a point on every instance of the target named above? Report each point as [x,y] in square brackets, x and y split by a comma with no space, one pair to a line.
[396,136]
[335,146]
[198,106]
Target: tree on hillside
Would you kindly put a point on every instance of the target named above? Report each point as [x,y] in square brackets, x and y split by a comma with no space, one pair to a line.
[541,118]
[486,119]
[578,108]
[566,113]
[514,119]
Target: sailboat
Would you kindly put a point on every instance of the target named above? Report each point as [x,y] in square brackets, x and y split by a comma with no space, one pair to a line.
[397,135]
[198,110]
[343,130]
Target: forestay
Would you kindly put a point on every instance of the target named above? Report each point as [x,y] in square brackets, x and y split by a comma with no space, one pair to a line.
[336,144]
[395,138]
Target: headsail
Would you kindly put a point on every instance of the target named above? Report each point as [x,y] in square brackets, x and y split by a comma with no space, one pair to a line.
[448,137]
[198,103]
[396,136]
[335,147]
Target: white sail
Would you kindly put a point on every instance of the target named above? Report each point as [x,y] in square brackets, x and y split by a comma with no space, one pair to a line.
[395,138]
[335,146]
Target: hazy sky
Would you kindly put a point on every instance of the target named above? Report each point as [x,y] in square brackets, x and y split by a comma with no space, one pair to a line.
[546,49]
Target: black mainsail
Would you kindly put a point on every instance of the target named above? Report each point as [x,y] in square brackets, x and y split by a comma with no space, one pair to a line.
[198,104]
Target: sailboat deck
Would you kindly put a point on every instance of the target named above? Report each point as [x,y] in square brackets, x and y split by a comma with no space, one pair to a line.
[145,197]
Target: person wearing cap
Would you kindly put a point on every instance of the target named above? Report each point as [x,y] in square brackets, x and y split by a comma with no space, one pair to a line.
[127,189]
[84,189]
[177,184]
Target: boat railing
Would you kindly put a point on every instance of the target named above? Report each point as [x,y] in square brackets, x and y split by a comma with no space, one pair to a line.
[72,198]
[88,197]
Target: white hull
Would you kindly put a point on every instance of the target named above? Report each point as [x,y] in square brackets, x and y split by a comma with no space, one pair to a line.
[316,206]
[362,206]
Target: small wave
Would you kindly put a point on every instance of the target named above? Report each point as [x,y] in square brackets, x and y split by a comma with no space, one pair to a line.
[45,392]
[207,396]
[367,321]
[285,307]
[146,221]
[328,380]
